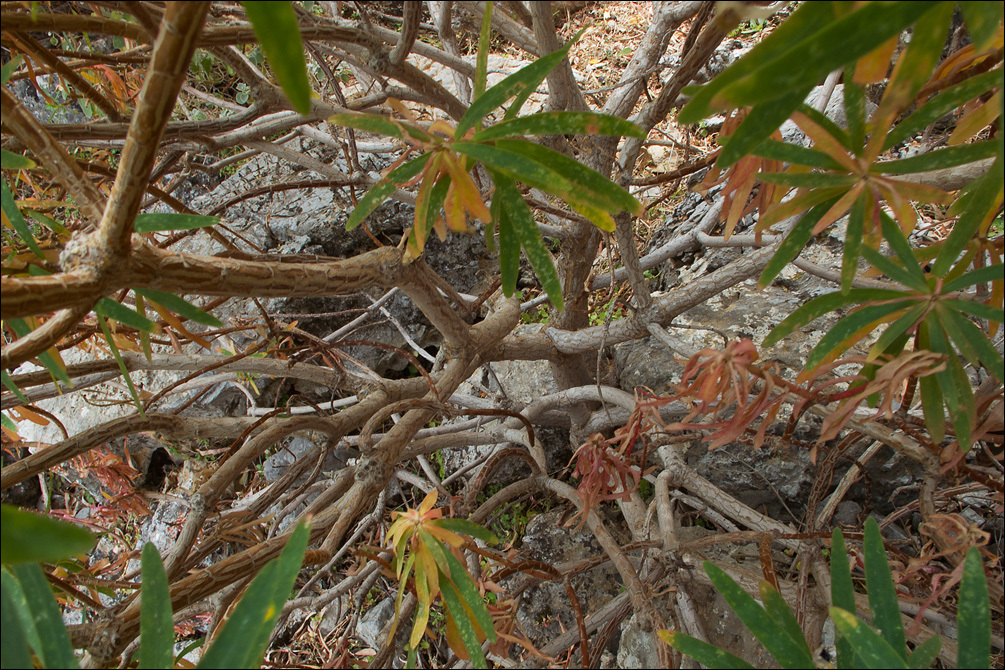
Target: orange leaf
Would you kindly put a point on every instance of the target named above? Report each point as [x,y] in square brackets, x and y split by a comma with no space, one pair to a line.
[873,66]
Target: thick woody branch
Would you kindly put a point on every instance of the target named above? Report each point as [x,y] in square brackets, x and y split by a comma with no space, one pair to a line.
[168,68]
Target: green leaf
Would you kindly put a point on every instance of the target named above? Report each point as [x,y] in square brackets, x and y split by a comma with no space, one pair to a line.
[894,271]
[809,179]
[589,186]
[17,219]
[12,161]
[842,595]
[151,223]
[482,60]
[8,381]
[245,636]
[834,339]
[466,589]
[526,79]
[853,242]
[942,104]
[925,653]
[57,371]
[29,537]
[110,309]
[882,594]
[970,341]
[467,528]
[277,31]
[796,66]
[937,160]
[509,248]
[983,199]
[775,639]
[121,363]
[778,610]
[794,242]
[48,222]
[983,19]
[824,304]
[54,648]
[870,648]
[707,654]
[21,610]
[179,306]
[897,329]
[931,391]
[561,123]
[986,274]
[854,105]
[526,230]
[758,125]
[793,153]
[14,651]
[973,615]
[808,19]
[384,188]
[953,382]
[9,67]
[156,624]
[978,309]
[465,628]
[381,125]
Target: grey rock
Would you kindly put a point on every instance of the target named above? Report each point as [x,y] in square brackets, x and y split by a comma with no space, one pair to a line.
[647,364]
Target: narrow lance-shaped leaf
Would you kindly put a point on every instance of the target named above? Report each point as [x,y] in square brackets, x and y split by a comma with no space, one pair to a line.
[155,222]
[805,63]
[121,363]
[55,649]
[526,78]
[179,306]
[937,160]
[561,123]
[111,309]
[758,125]
[12,161]
[931,393]
[925,653]
[908,277]
[8,381]
[779,611]
[824,304]
[870,648]
[882,594]
[974,615]
[156,625]
[384,188]
[29,538]
[381,125]
[526,230]
[276,28]
[853,242]
[49,359]
[245,636]
[707,654]
[942,104]
[761,624]
[794,242]
[482,60]
[16,219]
[835,340]
[842,595]
[987,196]
[793,153]
[808,19]
[465,627]
[971,341]
[14,642]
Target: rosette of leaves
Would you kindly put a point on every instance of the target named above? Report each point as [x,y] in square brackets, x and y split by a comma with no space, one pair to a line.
[859,645]
[424,543]
[33,624]
[850,172]
[448,153]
